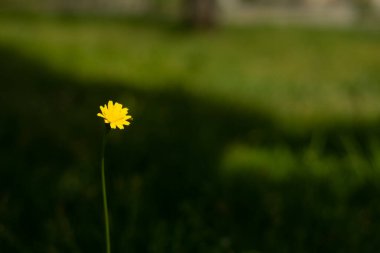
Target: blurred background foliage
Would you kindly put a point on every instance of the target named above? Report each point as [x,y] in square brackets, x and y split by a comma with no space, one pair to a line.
[257,134]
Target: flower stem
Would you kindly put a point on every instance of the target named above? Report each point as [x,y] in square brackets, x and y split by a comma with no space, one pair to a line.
[106,221]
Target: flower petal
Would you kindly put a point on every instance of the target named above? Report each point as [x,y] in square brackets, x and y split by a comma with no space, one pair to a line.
[118,106]
[103,109]
[110,105]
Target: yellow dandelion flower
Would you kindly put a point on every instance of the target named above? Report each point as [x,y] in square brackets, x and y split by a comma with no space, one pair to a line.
[115,115]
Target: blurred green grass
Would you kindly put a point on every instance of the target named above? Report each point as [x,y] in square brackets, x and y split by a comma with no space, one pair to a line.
[214,160]
[304,77]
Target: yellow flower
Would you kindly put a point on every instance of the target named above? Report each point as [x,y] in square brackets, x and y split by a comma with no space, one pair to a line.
[115,115]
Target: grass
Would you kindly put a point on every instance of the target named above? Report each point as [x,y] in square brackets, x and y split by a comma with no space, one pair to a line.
[303,77]
[211,162]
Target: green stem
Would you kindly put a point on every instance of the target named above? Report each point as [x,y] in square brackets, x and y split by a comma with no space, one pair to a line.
[107,227]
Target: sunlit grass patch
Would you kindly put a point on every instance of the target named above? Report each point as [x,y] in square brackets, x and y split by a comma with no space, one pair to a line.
[353,164]
[301,76]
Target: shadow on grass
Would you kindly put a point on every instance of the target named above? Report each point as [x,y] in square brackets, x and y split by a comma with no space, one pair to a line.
[166,193]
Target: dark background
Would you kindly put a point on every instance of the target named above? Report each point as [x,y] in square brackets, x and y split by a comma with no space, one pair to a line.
[214,160]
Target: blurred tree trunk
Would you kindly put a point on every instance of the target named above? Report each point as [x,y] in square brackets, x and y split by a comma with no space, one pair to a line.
[199,13]
[364,8]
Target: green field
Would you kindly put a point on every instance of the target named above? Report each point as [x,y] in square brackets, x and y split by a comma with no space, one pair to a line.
[253,139]
[301,76]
